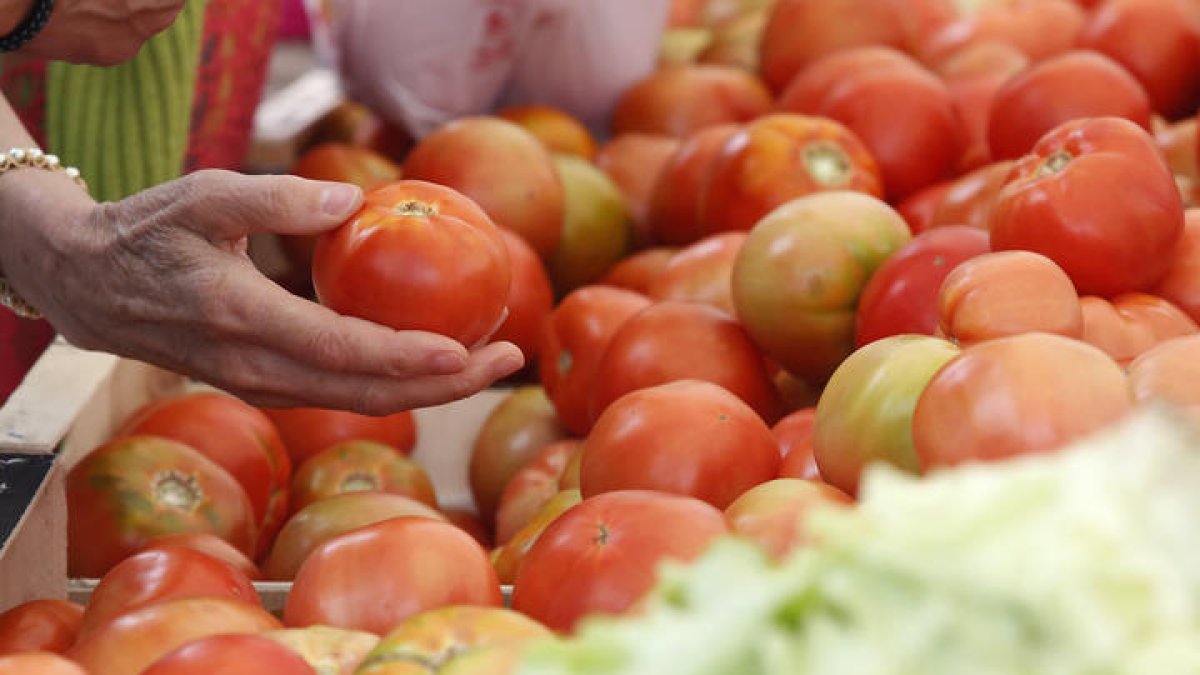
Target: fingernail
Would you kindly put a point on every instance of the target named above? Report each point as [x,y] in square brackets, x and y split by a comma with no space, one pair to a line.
[339,199]
[447,363]
[507,366]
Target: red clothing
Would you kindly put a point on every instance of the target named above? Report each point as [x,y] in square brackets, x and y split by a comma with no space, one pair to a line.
[21,343]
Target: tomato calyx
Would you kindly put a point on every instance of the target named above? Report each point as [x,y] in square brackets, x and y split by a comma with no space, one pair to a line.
[359,482]
[178,490]
[1054,163]
[413,207]
[828,164]
[601,534]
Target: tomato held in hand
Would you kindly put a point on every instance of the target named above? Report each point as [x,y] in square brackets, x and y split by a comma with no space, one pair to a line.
[1095,197]
[308,431]
[530,299]
[360,466]
[404,259]
[231,655]
[1131,324]
[39,626]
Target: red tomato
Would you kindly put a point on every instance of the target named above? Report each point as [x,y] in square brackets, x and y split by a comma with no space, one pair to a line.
[1181,285]
[902,295]
[576,336]
[794,434]
[1029,393]
[329,651]
[405,257]
[904,115]
[1168,372]
[360,466]
[702,272]
[157,576]
[689,438]
[39,626]
[680,100]
[439,635]
[675,201]
[1096,198]
[1039,28]
[1158,41]
[235,435]
[777,158]
[633,162]
[529,490]
[1008,293]
[557,130]
[1132,323]
[602,555]
[530,299]
[231,655]
[637,272]
[210,545]
[918,208]
[373,578]
[970,199]
[507,559]
[308,431]
[346,163]
[1075,85]
[974,74]
[775,515]
[125,493]
[38,663]
[133,641]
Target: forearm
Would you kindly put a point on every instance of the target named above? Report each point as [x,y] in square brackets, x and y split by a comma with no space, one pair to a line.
[12,12]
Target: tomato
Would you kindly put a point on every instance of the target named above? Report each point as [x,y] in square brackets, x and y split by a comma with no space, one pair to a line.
[1073,86]
[1181,285]
[1132,323]
[508,558]
[680,100]
[231,655]
[1179,147]
[576,336]
[468,521]
[569,480]
[499,166]
[1096,198]
[926,147]
[1039,28]
[308,431]
[496,660]
[556,130]
[798,278]
[157,576]
[672,341]
[689,438]
[125,493]
[776,159]
[374,577]
[405,257]
[736,39]
[596,226]
[702,272]
[634,161]
[919,207]
[1158,41]
[970,199]
[1007,293]
[1029,393]
[637,272]
[796,393]
[235,435]
[865,414]
[421,644]
[675,201]
[794,434]
[39,626]
[329,651]
[603,554]
[531,487]
[974,74]
[775,515]
[511,437]
[38,663]
[210,545]
[530,299]
[354,123]
[360,466]
[346,163]
[1168,372]
[902,295]
[325,519]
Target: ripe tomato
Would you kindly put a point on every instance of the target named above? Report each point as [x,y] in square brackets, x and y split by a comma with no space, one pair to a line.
[902,295]
[499,166]
[974,74]
[1096,198]
[468,521]
[603,554]
[596,228]
[346,163]
[970,199]
[1168,372]
[576,336]
[1008,293]
[307,432]
[235,435]
[157,576]
[1179,147]
[435,636]
[799,275]
[39,626]
[633,162]
[778,158]
[1181,285]
[865,414]
[775,515]
[680,100]
[38,663]
[330,517]
[689,438]
[507,559]
[405,257]
[1040,29]
[531,487]
[1075,85]
[919,207]
[851,87]
[512,436]
[133,641]
[637,272]
[231,655]
[360,466]
[530,299]
[556,130]
[125,493]
[1158,41]
[1017,395]
[675,201]
[702,272]
[210,545]
[672,341]
[794,434]
[329,651]
[373,578]
[1131,324]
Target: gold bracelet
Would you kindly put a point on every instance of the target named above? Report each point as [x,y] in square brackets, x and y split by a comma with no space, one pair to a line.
[30,158]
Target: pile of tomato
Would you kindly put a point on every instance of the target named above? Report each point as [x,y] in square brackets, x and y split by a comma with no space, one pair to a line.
[823,234]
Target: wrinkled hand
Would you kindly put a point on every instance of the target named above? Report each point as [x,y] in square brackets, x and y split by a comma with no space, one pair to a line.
[102,32]
[163,277]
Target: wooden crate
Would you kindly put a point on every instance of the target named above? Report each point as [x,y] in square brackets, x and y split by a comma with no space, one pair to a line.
[73,400]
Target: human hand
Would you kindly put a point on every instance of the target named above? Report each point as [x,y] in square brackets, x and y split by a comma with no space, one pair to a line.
[163,277]
[101,32]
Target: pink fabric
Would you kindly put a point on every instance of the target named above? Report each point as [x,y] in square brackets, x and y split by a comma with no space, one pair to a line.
[295,21]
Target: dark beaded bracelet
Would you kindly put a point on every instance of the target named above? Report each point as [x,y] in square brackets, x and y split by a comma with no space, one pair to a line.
[28,29]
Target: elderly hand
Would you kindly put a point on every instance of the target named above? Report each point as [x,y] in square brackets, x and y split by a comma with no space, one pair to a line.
[163,277]
[98,32]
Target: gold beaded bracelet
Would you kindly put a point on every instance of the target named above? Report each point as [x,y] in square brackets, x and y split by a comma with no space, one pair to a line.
[30,158]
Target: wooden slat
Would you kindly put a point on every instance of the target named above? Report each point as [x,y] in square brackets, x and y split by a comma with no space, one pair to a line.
[33,563]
